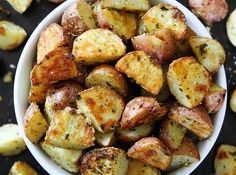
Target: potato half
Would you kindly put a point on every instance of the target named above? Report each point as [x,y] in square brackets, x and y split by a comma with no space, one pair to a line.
[22,168]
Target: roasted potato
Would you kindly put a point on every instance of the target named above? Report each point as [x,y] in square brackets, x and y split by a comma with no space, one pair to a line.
[102,106]
[11,142]
[135,134]
[209,11]
[104,44]
[38,93]
[171,133]
[70,130]
[138,66]
[209,52]
[35,124]
[225,160]
[152,151]
[128,5]
[214,99]
[66,158]
[56,1]
[11,35]
[56,66]
[108,76]
[233,101]
[22,168]
[189,81]
[159,45]
[20,5]
[186,154]
[164,16]
[105,161]
[137,168]
[231,29]
[122,23]
[196,120]
[141,110]
[105,139]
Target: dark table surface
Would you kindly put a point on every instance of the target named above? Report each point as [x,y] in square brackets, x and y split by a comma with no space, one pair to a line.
[31,19]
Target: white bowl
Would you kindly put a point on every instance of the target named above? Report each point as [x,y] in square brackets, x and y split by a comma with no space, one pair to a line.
[22,83]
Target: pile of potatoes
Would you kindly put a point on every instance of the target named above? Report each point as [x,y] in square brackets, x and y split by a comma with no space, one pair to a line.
[123,88]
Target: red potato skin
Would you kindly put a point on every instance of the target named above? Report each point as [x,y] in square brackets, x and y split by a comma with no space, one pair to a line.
[56,1]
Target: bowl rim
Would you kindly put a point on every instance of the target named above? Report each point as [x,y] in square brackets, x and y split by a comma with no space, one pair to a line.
[21,102]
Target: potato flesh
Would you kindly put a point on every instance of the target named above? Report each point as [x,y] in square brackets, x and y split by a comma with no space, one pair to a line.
[233,101]
[20,5]
[231,29]
[105,139]
[21,168]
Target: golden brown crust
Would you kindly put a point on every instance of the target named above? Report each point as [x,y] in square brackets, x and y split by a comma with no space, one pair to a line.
[21,168]
[38,93]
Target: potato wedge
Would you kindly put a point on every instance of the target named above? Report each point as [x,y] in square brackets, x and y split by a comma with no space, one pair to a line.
[136,167]
[38,93]
[196,120]
[172,134]
[186,154]
[159,45]
[209,52]
[66,158]
[135,134]
[225,160]
[35,124]
[165,16]
[11,142]
[105,139]
[214,99]
[128,5]
[104,44]
[22,168]
[70,130]
[107,76]
[189,81]
[105,161]
[233,101]
[117,21]
[102,106]
[20,5]
[231,29]
[11,35]
[56,66]
[138,66]
[152,151]
[141,110]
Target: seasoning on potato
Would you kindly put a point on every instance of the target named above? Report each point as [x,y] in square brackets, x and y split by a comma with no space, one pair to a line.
[233,101]
[20,5]
[231,27]
[22,168]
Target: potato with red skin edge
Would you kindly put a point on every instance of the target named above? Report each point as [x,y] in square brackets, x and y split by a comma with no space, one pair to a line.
[152,151]
[214,99]
[56,1]
[159,45]
[195,120]
[209,11]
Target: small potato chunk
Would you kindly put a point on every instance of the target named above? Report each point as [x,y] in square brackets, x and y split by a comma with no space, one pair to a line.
[56,1]
[209,52]
[34,123]
[11,142]
[196,120]
[189,81]
[11,35]
[104,45]
[135,134]
[22,168]
[20,5]
[102,106]
[38,93]
[56,66]
[128,5]
[70,130]
[107,76]
[122,23]
[209,11]
[231,29]
[233,101]
[141,110]
[138,66]
[165,16]
[105,139]
[159,45]
[152,151]
[104,161]
[172,134]
[139,168]
[225,160]
[186,154]
[214,99]
[66,158]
